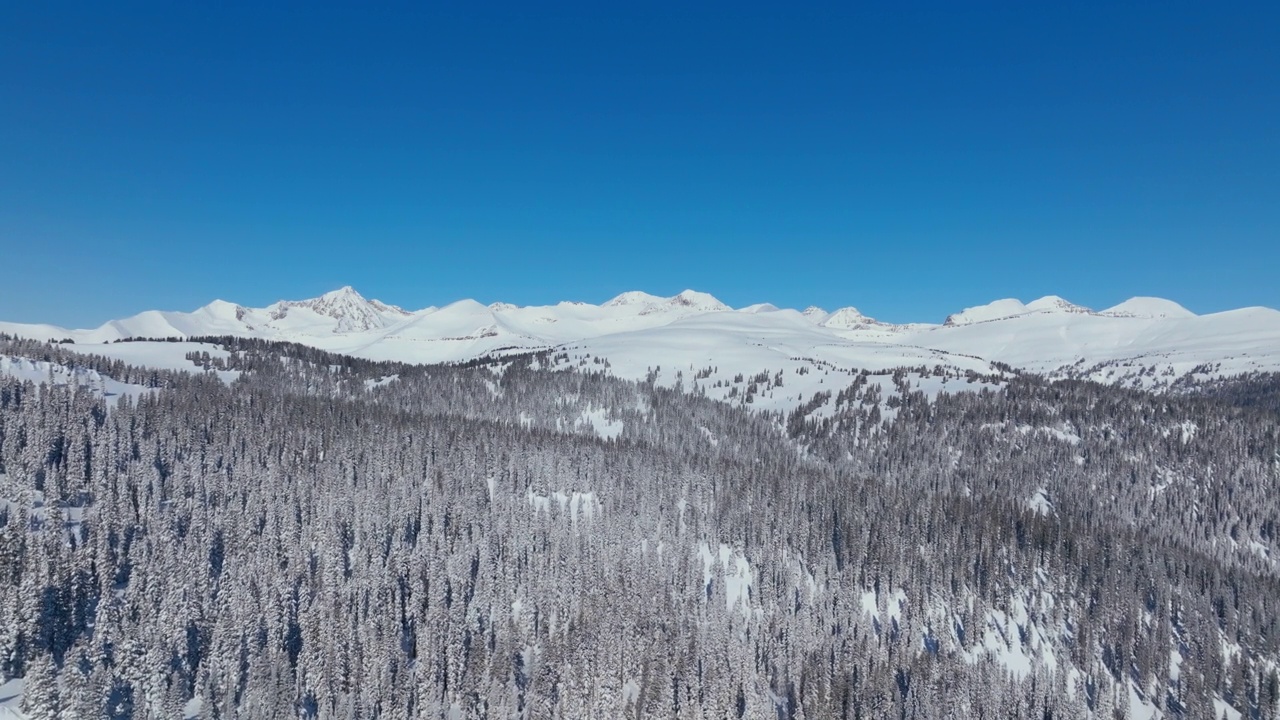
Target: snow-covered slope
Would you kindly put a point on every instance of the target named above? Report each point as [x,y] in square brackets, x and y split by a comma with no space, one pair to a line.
[40,371]
[996,310]
[1144,341]
[1009,307]
[1139,342]
[718,353]
[1148,307]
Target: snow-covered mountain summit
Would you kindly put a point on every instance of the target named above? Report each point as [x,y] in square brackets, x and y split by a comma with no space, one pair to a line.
[686,301]
[1148,307]
[349,308]
[1009,307]
[340,312]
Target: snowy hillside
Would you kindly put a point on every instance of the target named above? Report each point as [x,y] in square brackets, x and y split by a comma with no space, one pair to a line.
[520,531]
[1146,342]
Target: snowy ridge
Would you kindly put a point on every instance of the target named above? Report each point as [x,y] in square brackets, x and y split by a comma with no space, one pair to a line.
[1009,307]
[351,311]
[1148,307]
[996,310]
[1143,341]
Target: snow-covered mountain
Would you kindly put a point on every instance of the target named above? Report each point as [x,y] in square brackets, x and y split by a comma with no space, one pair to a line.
[1142,341]
[1009,307]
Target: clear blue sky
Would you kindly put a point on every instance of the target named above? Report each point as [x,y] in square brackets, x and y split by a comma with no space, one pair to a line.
[906,158]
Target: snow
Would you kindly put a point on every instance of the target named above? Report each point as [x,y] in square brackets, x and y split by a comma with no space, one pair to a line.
[634,297]
[1040,503]
[1225,711]
[575,505]
[847,318]
[710,436]
[869,605]
[630,691]
[1188,431]
[1109,348]
[737,577]
[1062,434]
[1141,708]
[40,371]
[698,300]
[11,700]
[733,344]
[1055,304]
[371,383]
[1010,307]
[601,424]
[1144,342]
[895,605]
[996,310]
[648,304]
[347,307]
[158,355]
[1148,307]
[1002,639]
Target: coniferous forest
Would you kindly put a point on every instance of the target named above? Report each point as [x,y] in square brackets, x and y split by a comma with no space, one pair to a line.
[325,537]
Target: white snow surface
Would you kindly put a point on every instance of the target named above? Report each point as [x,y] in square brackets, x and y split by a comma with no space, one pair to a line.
[1142,341]
[11,700]
[1148,307]
[995,310]
[601,424]
[737,574]
[40,371]
[1230,342]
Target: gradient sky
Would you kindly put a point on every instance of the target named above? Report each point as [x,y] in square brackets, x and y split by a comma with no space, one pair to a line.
[907,158]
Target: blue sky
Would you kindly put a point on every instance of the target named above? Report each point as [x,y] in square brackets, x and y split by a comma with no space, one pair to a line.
[907,158]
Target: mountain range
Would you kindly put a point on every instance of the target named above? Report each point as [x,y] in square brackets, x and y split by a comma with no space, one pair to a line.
[1147,342]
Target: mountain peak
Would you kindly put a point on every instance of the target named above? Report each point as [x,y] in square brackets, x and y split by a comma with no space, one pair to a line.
[698,300]
[847,318]
[1148,307]
[1011,307]
[346,291]
[1055,304]
[633,297]
[996,310]
[352,311]
[690,299]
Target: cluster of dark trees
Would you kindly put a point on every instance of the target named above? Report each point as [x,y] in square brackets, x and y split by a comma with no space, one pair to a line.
[331,537]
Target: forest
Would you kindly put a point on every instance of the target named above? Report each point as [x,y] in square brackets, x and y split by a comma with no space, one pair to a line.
[328,537]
